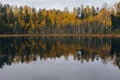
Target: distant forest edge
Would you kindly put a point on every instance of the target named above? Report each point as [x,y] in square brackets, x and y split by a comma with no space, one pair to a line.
[82,20]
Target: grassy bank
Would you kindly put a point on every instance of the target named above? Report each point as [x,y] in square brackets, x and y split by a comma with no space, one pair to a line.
[37,35]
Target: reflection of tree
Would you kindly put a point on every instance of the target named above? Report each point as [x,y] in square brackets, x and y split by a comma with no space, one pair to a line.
[29,49]
[115,51]
[85,55]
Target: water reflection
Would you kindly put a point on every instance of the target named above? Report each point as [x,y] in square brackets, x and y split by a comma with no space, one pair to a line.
[27,49]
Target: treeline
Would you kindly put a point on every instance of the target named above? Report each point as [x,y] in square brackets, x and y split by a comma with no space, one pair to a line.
[24,19]
[116,19]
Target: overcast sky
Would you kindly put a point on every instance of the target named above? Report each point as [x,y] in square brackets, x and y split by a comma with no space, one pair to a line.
[58,4]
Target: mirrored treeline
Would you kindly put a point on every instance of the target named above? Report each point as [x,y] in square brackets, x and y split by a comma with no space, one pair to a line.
[27,49]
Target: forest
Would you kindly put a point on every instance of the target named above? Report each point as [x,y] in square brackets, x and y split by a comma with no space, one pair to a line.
[81,20]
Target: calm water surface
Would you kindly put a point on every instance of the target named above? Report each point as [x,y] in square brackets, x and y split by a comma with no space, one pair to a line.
[59,58]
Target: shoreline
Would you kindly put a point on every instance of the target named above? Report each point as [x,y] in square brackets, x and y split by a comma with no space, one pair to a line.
[39,35]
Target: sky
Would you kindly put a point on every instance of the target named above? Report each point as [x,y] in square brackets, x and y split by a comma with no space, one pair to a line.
[57,4]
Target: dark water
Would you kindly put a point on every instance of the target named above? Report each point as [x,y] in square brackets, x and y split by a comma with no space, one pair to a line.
[59,58]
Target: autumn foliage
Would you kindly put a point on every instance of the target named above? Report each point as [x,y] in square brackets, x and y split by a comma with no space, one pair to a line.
[83,19]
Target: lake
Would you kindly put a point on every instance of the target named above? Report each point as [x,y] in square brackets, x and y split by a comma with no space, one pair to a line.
[59,58]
